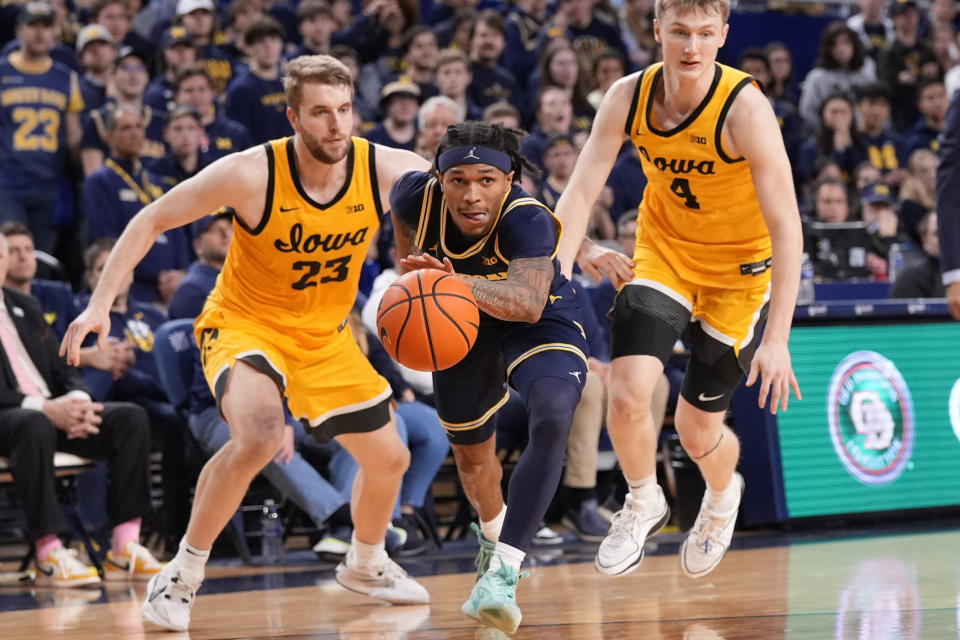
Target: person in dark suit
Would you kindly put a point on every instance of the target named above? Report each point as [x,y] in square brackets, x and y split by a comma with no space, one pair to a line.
[44,406]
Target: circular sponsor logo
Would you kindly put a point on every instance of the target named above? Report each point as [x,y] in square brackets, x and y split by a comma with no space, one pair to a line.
[870,415]
[954,407]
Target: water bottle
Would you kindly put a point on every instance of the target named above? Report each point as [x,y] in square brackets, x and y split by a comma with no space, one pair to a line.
[894,261]
[805,295]
[271,534]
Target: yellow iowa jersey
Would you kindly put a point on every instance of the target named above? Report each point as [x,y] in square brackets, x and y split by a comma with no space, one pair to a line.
[298,271]
[700,208]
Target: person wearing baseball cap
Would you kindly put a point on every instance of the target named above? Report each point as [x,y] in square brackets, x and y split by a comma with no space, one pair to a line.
[32,158]
[178,52]
[199,19]
[399,101]
[96,52]
[129,79]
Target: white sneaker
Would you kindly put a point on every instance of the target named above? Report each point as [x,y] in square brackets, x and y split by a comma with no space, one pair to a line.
[61,568]
[169,599]
[622,549]
[546,537]
[389,582]
[709,539]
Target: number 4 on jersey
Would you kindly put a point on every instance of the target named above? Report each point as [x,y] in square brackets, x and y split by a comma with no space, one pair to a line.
[681,187]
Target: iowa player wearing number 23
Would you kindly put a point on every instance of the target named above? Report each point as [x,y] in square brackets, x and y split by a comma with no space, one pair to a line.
[275,325]
[469,218]
[717,254]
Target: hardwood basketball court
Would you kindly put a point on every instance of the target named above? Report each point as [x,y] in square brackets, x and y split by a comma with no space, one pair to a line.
[865,588]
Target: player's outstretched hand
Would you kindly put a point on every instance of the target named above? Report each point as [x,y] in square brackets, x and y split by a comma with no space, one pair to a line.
[89,320]
[772,365]
[598,262]
[426,261]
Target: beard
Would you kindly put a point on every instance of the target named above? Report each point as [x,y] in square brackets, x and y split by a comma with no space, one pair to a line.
[318,152]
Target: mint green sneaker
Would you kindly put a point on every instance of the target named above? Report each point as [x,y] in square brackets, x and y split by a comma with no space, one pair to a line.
[493,600]
[482,561]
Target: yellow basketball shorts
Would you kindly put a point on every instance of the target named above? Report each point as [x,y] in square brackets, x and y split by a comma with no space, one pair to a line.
[331,389]
[722,325]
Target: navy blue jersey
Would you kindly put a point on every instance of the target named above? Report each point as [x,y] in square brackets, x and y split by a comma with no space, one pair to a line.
[260,106]
[222,137]
[220,65]
[93,93]
[521,52]
[33,103]
[137,325]
[94,130]
[169,172]
[885,150]
[380,135]
[112,195]
[525,228]
[192,293]
[57,300]
[493,84]
[948,194]
[159,95]
[920,136]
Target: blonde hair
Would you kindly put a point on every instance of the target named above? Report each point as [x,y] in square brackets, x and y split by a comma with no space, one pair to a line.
[321,69]
[682,6]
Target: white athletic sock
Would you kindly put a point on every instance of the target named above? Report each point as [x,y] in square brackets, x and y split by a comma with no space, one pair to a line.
[724,501]
[191,561]
[644,489]
[504,554]
[365,557]
[491,528]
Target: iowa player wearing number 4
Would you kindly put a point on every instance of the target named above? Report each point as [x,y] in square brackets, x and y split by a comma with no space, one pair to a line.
[275,325]
[717,254]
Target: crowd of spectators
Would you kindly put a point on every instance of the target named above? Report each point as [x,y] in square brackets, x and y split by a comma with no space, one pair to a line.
[104,106]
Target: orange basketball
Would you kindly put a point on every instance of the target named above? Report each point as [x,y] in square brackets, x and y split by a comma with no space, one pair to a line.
[428,320]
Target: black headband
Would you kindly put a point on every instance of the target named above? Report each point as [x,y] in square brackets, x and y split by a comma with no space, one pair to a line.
[474,155]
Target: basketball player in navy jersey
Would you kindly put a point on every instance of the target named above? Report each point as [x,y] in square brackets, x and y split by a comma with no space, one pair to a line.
[470,219]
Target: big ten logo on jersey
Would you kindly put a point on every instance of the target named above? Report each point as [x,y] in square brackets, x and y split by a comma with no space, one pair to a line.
[139,333]
[334,269]
[354,208]
[694,139]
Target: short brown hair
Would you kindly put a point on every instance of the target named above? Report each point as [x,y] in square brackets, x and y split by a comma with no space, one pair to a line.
[321,69]
[500,109]
[189,71]
[15,228]
[91,253]
[682,6]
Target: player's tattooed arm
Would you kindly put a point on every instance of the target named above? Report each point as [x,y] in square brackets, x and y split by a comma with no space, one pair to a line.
[522,296]
[405,237]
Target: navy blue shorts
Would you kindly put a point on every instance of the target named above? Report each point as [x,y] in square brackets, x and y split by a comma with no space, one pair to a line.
[468,394]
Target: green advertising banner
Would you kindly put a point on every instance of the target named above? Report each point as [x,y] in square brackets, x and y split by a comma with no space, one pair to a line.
[879,425]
